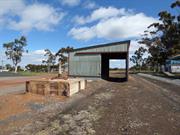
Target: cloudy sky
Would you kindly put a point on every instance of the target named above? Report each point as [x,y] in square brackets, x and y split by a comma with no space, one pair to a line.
[54,24]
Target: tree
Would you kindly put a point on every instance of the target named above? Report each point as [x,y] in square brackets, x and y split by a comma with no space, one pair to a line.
[36,68]
[137,58]
[8,66]
[62,55]
[51,59]
[15,49]
[164,40]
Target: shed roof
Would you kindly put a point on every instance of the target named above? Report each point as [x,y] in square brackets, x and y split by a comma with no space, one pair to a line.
[103,45]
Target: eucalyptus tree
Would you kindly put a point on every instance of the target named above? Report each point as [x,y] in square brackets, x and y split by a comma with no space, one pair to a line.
[163,37]
[137,58]
[62,56]
[15,49]
[51,59]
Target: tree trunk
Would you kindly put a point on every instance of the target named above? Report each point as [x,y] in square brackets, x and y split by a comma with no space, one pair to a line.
[60,69]
[159,66]
[52,68]
[15,70]
[48,68]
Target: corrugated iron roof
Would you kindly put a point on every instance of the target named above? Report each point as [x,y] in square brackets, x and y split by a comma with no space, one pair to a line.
[103,45]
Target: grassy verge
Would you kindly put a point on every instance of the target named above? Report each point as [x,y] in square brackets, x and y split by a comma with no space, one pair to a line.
[34,73]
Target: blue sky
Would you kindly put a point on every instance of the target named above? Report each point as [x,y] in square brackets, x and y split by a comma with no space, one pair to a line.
[54,24]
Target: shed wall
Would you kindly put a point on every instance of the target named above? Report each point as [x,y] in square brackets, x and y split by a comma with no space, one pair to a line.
[85,65]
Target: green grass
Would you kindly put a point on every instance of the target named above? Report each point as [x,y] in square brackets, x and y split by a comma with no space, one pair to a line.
[25,73]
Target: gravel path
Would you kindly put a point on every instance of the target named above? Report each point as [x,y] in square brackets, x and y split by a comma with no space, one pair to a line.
[137,107]
[166,80]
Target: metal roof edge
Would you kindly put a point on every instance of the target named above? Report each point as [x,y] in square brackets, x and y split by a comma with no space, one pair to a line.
[103,45]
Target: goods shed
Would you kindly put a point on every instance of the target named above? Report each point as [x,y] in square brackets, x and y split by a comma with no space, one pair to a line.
[93,61]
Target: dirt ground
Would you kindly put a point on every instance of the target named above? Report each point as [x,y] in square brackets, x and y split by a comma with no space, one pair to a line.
[13,81]
[117,74]
[16,85]
[137,107]
[12,105]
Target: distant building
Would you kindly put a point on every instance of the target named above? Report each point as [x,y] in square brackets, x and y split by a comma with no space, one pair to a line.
[173,64]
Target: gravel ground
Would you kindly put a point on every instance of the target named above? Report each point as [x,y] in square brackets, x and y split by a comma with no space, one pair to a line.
[166,80]
[137,107]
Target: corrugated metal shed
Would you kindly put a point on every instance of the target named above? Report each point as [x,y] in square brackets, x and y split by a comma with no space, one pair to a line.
[87,61]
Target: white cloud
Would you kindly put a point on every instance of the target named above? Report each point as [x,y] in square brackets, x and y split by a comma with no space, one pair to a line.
[112,23]
[15,14]
[32,57]
[101,13]
[9,9]
[90,5]
[41,52]
[70,2]
[135,46]
[13,6]
[37,16]
[83,33]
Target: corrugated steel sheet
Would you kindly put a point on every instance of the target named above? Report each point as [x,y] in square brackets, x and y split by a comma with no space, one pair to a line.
[85,65]
[115,48]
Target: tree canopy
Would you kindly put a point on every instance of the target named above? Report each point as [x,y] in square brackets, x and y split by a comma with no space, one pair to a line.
[15,49]
[163,38]
[51,59]
[62,56]
[137,58]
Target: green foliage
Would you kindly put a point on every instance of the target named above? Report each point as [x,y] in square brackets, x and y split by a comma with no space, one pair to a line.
[62,54]
[15,50]
[175,4]
[51,59]
[36,68]
[137,58]
[8,66]
[163,38]
[27,73]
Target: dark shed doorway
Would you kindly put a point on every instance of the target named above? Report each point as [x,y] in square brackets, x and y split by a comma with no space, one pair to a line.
[105,58]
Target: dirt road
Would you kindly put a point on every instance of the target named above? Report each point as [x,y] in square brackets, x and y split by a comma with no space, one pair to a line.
[16,84]
[137,107]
